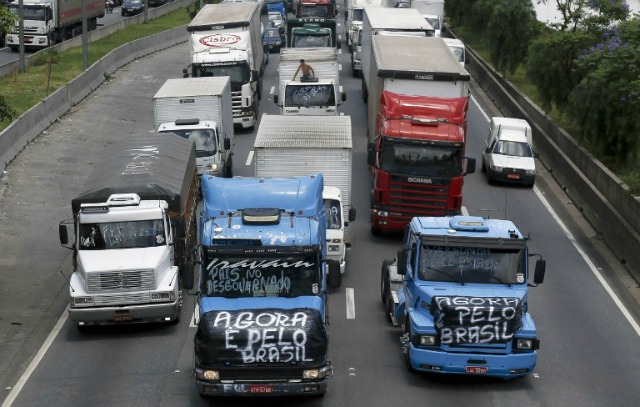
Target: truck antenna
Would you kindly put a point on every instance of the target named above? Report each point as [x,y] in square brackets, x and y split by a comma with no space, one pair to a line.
[67,280]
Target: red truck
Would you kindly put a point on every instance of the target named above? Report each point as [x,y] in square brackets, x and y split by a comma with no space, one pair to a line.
[316,8]
[416,159]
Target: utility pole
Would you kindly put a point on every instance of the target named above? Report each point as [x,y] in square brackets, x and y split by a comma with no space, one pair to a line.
[85,37]
[21,36]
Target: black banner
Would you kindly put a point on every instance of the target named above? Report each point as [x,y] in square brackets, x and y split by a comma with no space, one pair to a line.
[261,336]
[461,320]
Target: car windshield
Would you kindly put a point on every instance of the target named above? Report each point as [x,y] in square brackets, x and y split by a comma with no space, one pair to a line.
[472,265]
[309,96]
[205,140]
[333,211]
[513,148]
[260,276]
[33,13]
[121,235]
[458,52]
[300,41]
[418,159]
[272,34]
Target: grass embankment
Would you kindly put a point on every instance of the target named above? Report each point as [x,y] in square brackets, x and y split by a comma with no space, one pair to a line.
[25,90]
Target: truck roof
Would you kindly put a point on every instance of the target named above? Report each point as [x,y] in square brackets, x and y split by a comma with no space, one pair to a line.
[154,166]
[195,86]
[468,230]
[404,19]
[300,195]
[308,54]
[416,58]
[224,15]
[278,131]
[424,117]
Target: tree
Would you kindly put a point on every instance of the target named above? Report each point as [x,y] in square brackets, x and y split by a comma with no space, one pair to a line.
[7,22]
[510,28]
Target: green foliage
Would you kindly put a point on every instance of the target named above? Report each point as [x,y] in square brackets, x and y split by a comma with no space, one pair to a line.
[7,19]
[510,28]
[6,111]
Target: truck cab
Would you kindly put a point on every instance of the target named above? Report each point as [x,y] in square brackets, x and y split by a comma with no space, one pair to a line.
[508,155]
[459,290]
[316,8]
[315,97]
[337,221]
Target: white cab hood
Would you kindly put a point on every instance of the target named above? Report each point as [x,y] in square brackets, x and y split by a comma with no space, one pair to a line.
[148,258]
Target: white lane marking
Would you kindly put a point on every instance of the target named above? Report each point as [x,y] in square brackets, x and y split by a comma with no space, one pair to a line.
[351,304]
[587,260]
[486,117]
[465,211]
[36,360]
[249,158]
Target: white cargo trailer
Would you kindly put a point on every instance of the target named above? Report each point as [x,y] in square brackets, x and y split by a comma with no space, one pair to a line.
[306,145]
[413,66]
[199,109]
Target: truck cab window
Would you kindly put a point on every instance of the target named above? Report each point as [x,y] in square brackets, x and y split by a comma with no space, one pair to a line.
[122,235]
[333,212]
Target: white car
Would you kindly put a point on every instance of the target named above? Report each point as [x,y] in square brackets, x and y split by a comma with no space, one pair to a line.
[508,155]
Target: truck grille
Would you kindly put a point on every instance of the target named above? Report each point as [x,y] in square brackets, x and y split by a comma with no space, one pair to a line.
[122,299]
[254,374]
[120,280]
[408,199]
[491,348]
[236,102]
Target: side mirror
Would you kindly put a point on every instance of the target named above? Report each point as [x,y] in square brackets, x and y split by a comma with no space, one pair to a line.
[254,76]
[187,275]
[541,266]
[64,234]
[275,99]
[334,278]
[227,143]
[344,96]
[352,214]
[339,44]
[371,154]
[471,166]
[402,259]
[185,73]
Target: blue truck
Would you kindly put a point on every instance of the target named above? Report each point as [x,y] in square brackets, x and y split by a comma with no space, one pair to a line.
[276,5]
[261,302]
[458,288]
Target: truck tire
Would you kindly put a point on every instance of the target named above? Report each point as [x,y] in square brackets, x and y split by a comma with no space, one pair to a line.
[406,350]
[228,168]
[384,282]
[365,93]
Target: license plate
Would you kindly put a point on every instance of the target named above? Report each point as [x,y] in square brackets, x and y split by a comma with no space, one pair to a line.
[513,176]
[122,317]
[260,389]
[477,369]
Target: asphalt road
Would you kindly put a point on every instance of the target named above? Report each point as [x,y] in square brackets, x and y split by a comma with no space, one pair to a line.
[589,354]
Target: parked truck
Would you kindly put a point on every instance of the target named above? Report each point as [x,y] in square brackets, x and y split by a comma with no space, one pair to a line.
[261,305]
[47,22]
[226,40]
[199,109]
[458,288]
[313,32]
[316,8]
[294,146]
[432,11]
[135,232]
[353,18]
[416,153]
[320,95]
[386,21]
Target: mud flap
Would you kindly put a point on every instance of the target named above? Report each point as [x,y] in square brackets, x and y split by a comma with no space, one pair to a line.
[398,314]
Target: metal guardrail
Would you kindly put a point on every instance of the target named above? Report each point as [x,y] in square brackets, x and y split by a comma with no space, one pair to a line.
[603,198]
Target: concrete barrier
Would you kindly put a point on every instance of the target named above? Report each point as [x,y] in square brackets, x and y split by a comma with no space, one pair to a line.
[603,198]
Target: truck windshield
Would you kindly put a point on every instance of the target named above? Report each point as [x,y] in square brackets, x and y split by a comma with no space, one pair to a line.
[513,148]
[472,265]
[260,276]
[415,159]
[333,211]
[357,14]
[33,13]
[434,22]
[314,11]
[309,96]
[121,235]
[239,73]
[458,52]
[306,40]
[205,140]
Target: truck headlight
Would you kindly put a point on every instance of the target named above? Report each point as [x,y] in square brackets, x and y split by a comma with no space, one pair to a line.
[207,374]
[211,168]
[524,344]
[383,214]
[530,172]
[82,302]
[163,296]
[427,340]
[314,373]
[333,248]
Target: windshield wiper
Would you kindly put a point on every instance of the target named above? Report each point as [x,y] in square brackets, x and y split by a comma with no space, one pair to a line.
[446,274]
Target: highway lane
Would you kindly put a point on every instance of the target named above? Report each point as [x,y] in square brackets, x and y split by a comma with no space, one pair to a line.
[589,353]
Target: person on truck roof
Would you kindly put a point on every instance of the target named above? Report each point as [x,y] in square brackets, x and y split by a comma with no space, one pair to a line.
[307,71]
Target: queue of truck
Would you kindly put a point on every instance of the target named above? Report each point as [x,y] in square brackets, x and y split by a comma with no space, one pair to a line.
[270,248]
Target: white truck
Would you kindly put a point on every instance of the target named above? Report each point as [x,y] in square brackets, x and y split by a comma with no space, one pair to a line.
[134,233]
[298,145]
[226,40]
[413,66]
[199,109]
[320,95]
[387,21]
[432,11]
[354,15]
[47,22]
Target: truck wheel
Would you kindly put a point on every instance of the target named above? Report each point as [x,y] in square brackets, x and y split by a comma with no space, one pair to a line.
[406,346]
[334,279]
[376,231]
[365,93]
[384,281]
[228,168]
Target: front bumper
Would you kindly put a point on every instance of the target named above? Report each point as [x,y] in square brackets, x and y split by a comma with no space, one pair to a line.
[504,366]
[154,312]
[357,65]
[261,389]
